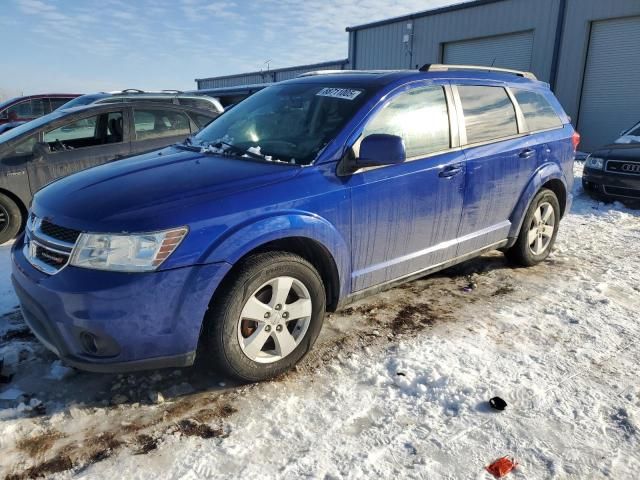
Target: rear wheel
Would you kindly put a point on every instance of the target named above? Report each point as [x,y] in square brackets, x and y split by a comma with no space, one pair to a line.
[10,219]
[538,231]
[266,319]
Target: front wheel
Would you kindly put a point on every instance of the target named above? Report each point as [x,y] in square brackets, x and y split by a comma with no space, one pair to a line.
[10,219]
[265,319]
[538,231]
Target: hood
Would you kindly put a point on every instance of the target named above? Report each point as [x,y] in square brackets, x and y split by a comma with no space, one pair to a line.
[619,151]
[153,191]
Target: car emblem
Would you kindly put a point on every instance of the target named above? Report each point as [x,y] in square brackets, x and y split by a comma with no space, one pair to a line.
[631,167]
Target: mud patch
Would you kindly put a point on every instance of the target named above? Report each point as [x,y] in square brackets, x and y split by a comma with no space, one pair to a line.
[191,428]
[60,463]
[145,444]
[39,445]
[504,290]
[18,334]
[415,316]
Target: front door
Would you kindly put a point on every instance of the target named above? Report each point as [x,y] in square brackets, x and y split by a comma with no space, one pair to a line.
[405,217]
[77,145]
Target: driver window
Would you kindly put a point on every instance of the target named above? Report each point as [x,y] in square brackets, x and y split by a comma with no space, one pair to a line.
[87,132]
[420,116]
[22,148]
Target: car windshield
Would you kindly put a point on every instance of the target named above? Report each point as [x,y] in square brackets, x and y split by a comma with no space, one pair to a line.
[29,126]
[83,100]
[631,136]
[289,123]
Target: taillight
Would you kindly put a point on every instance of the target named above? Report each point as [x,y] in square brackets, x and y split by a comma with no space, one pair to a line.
[575,140]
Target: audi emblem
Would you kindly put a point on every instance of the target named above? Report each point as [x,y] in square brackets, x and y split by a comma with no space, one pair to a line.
[631,167]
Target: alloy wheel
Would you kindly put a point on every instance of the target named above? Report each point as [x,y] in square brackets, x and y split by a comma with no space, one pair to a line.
[4,219]
[541,228]
[274,320]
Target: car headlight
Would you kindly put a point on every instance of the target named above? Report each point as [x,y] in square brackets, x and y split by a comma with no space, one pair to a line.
[595,162]
[141,252]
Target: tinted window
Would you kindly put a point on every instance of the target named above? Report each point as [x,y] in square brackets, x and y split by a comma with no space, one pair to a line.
[58,102]
[201,120]
[160,123]
[88,132]
[23,147]
[419,116]
[488,113]
[198,103]
[537,111]
[20,110]
[37,107]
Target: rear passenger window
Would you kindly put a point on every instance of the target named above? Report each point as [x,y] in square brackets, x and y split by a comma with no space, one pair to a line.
[160,123]
[537,111]
[488,113]
[419,116]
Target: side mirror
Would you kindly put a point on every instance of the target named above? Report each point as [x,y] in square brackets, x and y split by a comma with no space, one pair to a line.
[381,149]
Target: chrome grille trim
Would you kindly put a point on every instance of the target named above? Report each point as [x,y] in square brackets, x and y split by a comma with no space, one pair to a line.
[35,239]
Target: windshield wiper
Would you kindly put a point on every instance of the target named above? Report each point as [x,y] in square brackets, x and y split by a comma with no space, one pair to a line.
[188,145]
[239,150]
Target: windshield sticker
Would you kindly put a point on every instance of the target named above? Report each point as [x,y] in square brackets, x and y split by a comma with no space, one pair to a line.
[343,93]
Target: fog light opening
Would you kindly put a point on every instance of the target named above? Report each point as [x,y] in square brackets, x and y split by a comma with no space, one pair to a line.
[89,343]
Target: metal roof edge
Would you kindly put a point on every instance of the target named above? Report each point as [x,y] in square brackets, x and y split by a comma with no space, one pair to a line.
[424,13]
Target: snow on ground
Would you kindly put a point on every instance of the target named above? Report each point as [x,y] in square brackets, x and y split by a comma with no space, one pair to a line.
[396,387]
[8,299]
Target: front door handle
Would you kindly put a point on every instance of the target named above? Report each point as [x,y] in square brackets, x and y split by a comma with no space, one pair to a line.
[450,171]
[527,153]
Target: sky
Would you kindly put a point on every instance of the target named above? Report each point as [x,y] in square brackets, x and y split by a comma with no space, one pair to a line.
[81,46]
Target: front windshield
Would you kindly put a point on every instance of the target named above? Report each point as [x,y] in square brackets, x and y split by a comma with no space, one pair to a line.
[27,127]
[289,123]
[631,136]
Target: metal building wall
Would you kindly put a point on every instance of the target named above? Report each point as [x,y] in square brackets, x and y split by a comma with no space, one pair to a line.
[574,44]
[267,76]
[382,46]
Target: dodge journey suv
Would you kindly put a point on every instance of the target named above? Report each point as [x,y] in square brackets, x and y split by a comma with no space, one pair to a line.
[307,195]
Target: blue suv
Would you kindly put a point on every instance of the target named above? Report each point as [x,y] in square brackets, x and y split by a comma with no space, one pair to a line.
[307,195]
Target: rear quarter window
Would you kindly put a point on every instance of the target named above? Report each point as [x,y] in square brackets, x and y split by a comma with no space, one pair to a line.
[537,111]
[488,113]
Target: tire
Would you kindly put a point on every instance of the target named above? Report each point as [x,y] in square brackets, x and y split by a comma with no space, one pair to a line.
[10,219]
[245,315]
[537,236]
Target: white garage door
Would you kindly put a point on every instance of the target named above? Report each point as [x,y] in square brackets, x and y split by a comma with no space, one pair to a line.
[611,90]
[506,51]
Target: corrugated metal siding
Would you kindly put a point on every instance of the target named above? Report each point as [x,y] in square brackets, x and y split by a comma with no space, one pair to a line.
[275,75]
[575,44]
[507,51]
[611,90]
[382,46]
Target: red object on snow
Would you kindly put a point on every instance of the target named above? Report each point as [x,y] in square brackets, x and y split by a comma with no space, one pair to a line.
[501,467]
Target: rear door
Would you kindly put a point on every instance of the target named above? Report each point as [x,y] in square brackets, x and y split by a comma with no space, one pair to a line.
[405,217]
[500,159]
[79,144]
[156,127]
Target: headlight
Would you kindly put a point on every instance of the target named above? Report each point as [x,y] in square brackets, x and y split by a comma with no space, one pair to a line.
[126,253]
[595,162]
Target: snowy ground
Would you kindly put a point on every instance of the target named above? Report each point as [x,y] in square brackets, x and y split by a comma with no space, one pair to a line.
[397,386]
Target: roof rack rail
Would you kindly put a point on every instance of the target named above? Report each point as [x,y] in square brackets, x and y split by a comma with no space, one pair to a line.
[132,90]
[322,72]
[440,67]
[171,90]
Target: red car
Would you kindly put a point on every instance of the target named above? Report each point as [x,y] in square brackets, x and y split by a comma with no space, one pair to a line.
[24,109]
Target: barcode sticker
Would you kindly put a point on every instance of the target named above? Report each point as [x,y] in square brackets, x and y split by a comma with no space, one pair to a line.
[343,93]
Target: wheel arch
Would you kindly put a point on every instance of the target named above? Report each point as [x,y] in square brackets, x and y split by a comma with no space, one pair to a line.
[548,176]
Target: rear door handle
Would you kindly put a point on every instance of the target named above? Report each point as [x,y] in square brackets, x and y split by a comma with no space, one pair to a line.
[450,171]
[527,153]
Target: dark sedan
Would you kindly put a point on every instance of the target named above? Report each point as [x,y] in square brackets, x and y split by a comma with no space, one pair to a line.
[67,141]
[613,171]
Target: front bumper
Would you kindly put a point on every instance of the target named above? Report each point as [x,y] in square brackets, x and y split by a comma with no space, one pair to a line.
[113,322]
[609,184]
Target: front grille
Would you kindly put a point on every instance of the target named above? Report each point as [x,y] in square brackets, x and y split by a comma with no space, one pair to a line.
[63,234]
[626,168]
[48,246]
[622,192]
[52,258]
